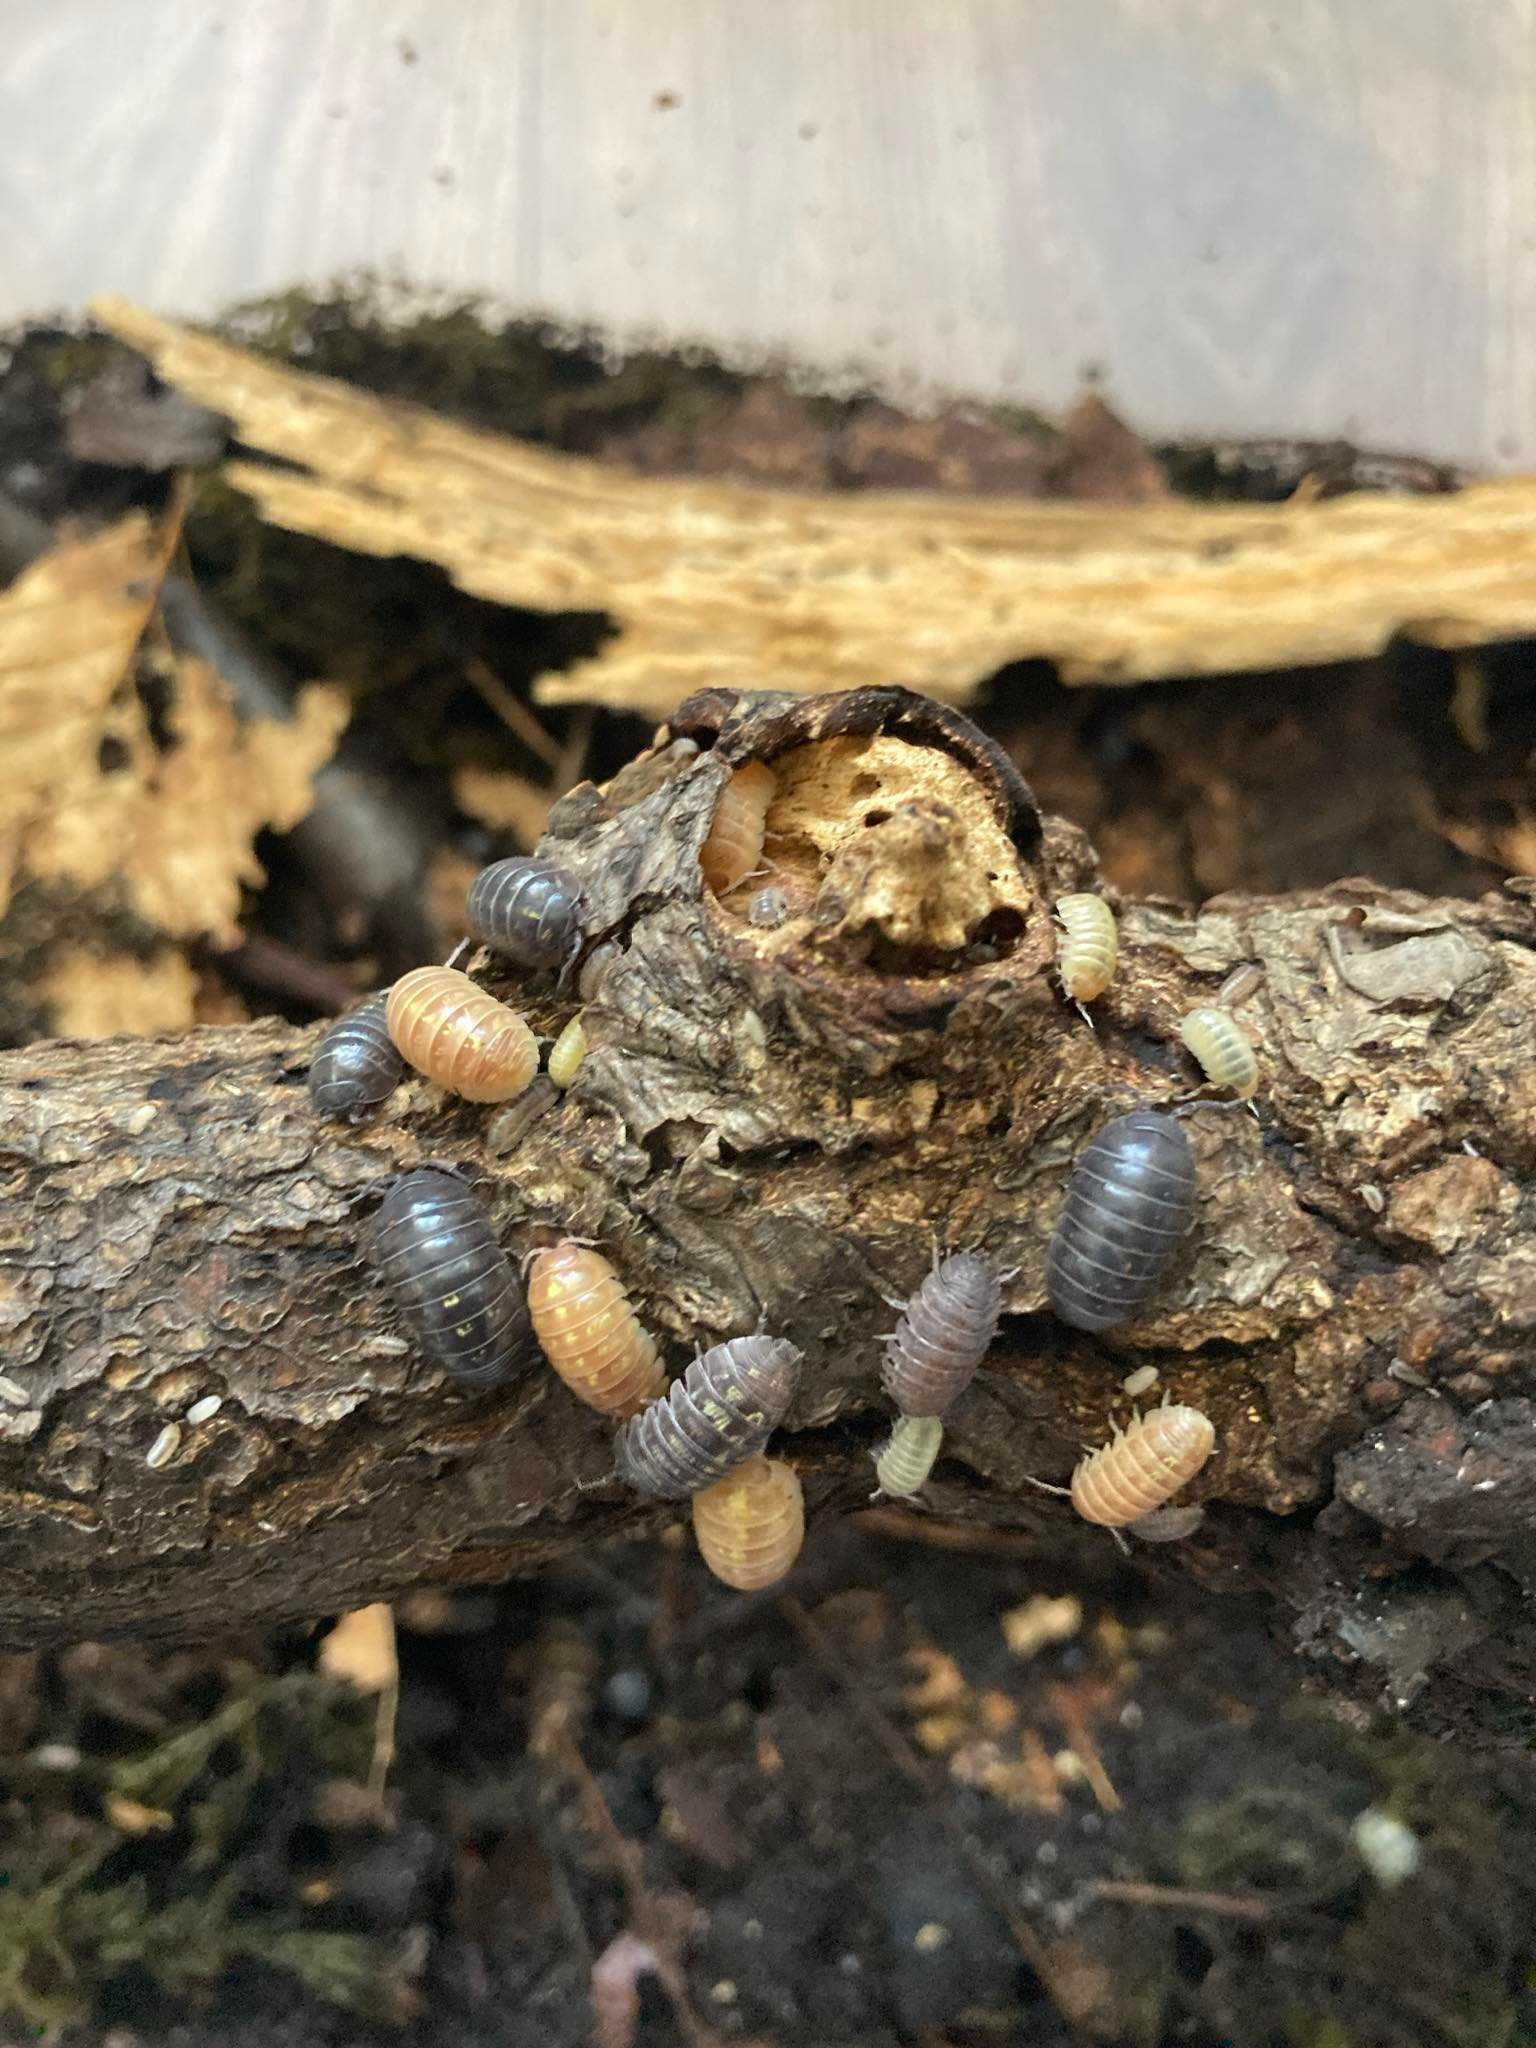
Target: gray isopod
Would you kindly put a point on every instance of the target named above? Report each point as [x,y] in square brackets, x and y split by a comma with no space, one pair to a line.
[527,909]
[356,1066]
[945,1332]
[438,1255]
[1129,1201]
[721,1412]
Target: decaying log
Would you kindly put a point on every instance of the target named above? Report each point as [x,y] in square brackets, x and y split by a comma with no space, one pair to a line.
[804,590]
[774,1124]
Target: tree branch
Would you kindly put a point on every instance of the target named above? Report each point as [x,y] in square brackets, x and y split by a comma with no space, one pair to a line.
[774,1123]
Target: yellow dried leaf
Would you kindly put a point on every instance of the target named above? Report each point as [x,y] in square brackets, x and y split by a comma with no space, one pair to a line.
[803,591]
[87,796]
[95,995]
[68,629]
[361,1649]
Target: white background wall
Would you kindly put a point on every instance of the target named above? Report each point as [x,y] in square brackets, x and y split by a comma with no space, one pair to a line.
[1311,216]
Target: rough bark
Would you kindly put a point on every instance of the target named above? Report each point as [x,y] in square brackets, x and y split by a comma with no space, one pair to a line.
[775,1124]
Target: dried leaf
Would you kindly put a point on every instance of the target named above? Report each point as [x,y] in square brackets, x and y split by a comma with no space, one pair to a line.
[88,796]
[361,1649]
[96,995]
[806,591]
[68,629]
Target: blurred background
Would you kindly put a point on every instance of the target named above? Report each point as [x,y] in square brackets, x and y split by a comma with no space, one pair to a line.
[1142,286]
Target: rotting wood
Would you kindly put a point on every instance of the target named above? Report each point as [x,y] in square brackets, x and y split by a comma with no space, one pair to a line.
[810,592]
[771,1125]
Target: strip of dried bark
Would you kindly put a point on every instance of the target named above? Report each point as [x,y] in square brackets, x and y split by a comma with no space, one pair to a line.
[813,591]
[773,1124]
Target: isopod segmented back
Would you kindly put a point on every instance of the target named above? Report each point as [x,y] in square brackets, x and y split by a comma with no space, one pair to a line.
[904,1461]
[1089,948]
[457,1034]
[1129,1201]
[590,1332]
[750,1525]
[356,1066]
[722,1411]
[944,1333]
[735,841]
[438,1256]
[1223,1048]
[1143,1467]
[529,910]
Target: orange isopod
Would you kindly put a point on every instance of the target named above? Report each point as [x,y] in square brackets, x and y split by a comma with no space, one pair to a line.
[590,1333]
[1142,1467]
[750,1525]
[735,842]
[452,1031]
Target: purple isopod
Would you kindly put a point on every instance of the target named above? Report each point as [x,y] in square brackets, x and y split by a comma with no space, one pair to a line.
[527,909]
[1129,1201]
[356,1066]
[437,1252]
[945,1332]
[721,1412]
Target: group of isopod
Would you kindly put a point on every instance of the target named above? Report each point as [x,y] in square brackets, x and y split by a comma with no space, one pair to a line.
[703,1438]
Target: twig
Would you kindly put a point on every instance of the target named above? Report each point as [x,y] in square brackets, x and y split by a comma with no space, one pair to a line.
[512,711]
[911,1767]
[266,967]
[1179,1899]
[1069,1712]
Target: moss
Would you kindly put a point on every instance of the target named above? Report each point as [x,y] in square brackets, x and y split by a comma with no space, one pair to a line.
[86,1903]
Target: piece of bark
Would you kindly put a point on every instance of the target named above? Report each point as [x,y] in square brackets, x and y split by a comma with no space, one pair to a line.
[772,1125]
[809,591]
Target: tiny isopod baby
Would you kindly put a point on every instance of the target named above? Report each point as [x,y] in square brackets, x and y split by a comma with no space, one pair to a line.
[1089,948]
[735,843]
[528,910]
[750,1525]
[1223,1048]
[904,1461]
[438,1256]
[720,1413]
[458,1035]
[590,1332]
[1129,1201]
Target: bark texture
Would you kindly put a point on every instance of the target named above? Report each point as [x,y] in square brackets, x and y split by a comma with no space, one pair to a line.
[773,1125]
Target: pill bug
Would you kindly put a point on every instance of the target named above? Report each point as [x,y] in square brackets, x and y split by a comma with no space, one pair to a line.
[1141,1381]
[1240,984]
[590,1332]
[750,1525]
[735,841]
[1223,1048]
[438,1257]
[460,1036]
[528,910]
[905,1459]
[356,1065]
[567,1053]
[720,1413]
[768,907]
[1089,948]
[945,1332]
[1129,1201]
[1166,1525]
[1142,1467]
